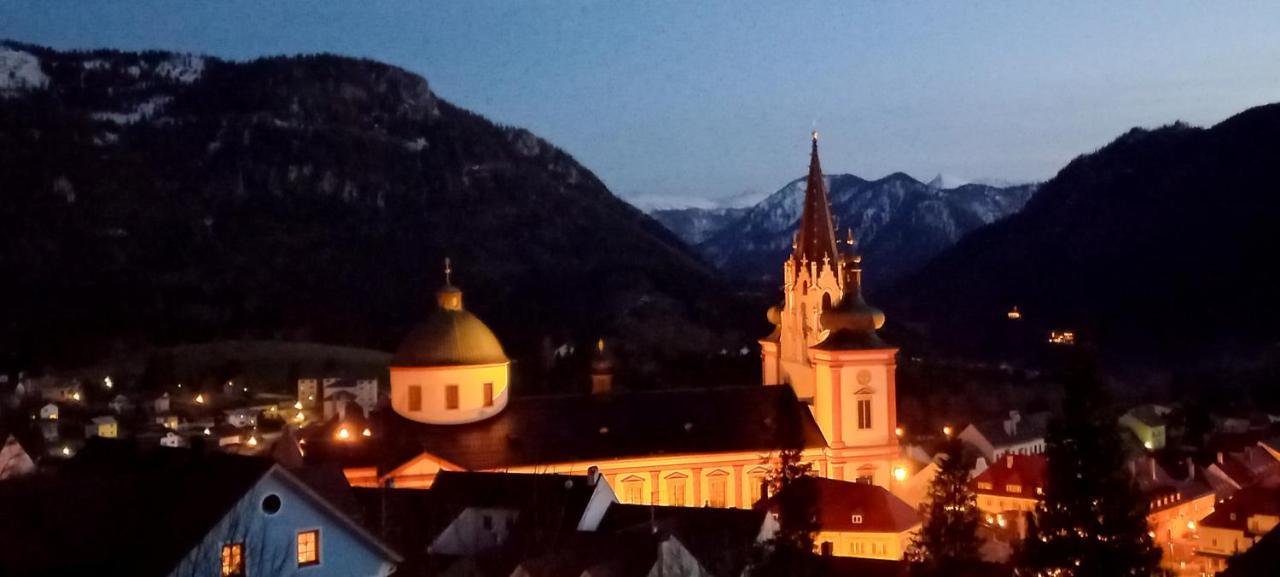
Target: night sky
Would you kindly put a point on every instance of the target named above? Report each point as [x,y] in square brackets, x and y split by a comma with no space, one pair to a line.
[706,100]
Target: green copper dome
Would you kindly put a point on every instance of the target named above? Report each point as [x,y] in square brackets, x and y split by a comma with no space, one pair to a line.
[451,336]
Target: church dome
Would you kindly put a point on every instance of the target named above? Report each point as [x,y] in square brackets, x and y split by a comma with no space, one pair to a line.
[450,336]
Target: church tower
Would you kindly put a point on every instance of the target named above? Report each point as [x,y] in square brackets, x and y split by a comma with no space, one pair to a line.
[826,347]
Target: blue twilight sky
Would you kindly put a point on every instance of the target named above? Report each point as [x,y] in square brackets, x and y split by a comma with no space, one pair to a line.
[692,100]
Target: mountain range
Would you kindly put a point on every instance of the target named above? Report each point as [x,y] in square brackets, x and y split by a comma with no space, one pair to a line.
[158,198]
[899,222]
[1159,245]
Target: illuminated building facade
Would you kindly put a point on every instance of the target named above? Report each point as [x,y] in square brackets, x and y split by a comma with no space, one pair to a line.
[829,388]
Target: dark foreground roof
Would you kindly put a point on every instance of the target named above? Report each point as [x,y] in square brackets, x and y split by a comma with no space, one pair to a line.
[109,513]
[721,539]
[568,428]
[838,501]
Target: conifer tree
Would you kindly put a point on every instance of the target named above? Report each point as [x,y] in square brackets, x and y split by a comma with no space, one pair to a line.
[789,552]
[1092,519]
[948,540]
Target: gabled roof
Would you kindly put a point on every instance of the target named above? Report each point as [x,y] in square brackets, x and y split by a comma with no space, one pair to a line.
[1028,428]
[578,428]
[838,501]
[127,497]
[721,539]
[1234,513]
[1147,415]
[597,555]
[1025,471]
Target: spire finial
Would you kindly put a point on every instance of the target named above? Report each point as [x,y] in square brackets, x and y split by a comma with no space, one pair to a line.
[448,271]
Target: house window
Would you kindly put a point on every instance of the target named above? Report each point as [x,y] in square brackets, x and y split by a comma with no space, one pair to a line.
[451,397]
[675,491]
[308,548]
[233,560]
[864,413]
[488,394]
[633,490]
[984,486]
[1013,488]
[716,487]
[857,547]
[856,519]
[415,398]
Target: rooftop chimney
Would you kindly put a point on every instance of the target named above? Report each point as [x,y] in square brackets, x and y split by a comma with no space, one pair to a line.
[1219,457]
[1191,470]
[593,475]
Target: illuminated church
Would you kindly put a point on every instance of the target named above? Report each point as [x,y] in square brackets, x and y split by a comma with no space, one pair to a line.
[828,386]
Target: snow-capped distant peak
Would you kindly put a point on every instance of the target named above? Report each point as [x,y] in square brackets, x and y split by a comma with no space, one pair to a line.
[20,70]
[947,181]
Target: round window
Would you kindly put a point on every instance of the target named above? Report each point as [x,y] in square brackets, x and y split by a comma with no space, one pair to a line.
[271,504]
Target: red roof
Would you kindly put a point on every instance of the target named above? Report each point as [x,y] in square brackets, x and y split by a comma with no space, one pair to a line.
[1235,512]
[1026,472]
[853,507]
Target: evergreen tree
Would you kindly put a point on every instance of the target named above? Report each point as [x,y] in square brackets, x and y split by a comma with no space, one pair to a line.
[1092,519]
[789,553]
[948,540]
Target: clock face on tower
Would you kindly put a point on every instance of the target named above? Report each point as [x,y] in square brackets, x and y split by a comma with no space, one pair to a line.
[864,377]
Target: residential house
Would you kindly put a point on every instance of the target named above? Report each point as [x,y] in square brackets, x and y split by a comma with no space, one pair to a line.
[61,391]
[104,426]
[1237,524]
[121,404]
[1016,434]
[855,519]
[1009,489]
[113,510]
[50,412]
[1147,422]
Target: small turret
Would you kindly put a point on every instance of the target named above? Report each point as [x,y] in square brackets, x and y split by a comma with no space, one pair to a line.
[852,322]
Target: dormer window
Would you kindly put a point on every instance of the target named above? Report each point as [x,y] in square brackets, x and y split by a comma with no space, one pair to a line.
[856,519]
[1013,488]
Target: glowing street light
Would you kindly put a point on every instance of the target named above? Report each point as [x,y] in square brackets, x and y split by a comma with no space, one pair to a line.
[200,399]
[344,434]
[66,451]
[253,441]
[75,396]
[367,432]
[899,432]
[900,474]
[106,382]
[947,430]
[298,405]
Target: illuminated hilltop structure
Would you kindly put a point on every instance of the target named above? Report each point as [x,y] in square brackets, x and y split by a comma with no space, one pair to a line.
[829,388]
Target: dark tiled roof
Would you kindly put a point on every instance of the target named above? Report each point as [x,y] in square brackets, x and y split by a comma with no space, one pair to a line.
[1029,427]
[600,554]
[114,510]
[721,539]
[838,501]
[1026,471]
[568,428]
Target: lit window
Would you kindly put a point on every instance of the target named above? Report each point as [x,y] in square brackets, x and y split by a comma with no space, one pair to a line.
[233,560]
[984,486]
[856,519]
[1013,488]
[451,397]
[675,490]
[415,398]
[716,487]
[308,548]
[633,490]
[864,413]
[488,394]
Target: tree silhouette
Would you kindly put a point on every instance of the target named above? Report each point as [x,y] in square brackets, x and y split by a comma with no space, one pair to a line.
[948,540]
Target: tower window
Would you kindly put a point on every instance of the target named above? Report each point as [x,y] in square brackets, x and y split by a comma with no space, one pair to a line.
[864,413]
[488,394]
[633,490]
[451,397]
[415,398]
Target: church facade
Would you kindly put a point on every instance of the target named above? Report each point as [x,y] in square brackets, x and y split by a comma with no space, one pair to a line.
[827,386]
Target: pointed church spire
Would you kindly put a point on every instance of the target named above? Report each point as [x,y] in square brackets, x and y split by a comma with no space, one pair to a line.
[816,238]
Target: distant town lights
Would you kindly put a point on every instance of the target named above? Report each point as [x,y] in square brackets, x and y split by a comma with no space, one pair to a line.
[66,451]
[253,441]
[75,396]
[298,405]
[106,382]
